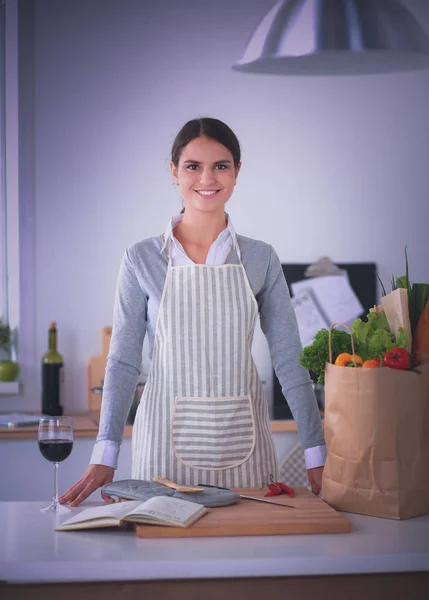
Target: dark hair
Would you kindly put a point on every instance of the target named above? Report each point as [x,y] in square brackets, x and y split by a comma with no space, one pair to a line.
[211,128]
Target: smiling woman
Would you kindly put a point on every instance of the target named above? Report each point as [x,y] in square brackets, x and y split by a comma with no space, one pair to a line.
[205,162]
[205,172]
[198,290]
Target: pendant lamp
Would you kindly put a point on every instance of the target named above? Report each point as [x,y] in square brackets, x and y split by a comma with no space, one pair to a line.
[336,37]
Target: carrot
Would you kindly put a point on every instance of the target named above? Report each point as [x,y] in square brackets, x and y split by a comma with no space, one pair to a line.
[421,337]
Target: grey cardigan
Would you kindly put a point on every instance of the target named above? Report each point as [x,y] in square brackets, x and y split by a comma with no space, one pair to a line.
[138,295]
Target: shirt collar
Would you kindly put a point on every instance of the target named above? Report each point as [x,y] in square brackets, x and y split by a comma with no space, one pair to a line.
[174,221]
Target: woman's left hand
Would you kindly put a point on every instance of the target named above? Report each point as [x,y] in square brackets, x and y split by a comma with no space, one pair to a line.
[315,479]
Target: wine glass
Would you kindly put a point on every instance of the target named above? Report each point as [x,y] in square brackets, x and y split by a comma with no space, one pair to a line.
[55,443]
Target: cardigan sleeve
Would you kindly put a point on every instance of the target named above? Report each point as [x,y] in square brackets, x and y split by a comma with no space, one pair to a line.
[123,363]
[279,324]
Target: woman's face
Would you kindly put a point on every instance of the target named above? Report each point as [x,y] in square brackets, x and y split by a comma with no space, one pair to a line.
[206,175]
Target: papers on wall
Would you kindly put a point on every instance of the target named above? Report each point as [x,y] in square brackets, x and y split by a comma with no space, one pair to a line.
[334,298]
[310,318]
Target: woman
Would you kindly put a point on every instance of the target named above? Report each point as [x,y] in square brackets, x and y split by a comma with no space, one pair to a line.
[197,290]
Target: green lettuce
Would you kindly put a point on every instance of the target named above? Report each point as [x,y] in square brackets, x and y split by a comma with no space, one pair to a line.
[373,338]
[315,356]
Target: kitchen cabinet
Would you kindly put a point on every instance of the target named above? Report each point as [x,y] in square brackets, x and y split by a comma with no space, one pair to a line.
[26,475]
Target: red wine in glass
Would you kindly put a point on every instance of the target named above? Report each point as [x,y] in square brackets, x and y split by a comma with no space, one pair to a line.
[55,439]
[55,450]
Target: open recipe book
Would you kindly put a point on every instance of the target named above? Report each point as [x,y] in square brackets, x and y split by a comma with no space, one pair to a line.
[159,510]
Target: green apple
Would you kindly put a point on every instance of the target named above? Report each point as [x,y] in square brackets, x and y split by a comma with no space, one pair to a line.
[8,370]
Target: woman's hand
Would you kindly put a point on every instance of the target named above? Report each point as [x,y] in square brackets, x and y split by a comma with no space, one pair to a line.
[315,479]
[94,477]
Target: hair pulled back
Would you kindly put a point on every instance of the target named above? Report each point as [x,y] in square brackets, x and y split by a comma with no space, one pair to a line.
[211,128]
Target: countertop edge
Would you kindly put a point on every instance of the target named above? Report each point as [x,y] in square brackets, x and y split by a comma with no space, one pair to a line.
[86,426]
[68,572]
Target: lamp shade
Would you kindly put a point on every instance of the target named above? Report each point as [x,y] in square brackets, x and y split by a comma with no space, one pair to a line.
[336,37]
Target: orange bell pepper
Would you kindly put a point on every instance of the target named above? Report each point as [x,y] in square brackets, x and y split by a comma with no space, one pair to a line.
[348,360]
[372,363]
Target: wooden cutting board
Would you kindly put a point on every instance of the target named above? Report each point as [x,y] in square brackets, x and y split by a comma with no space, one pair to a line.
[247,517]
[95,372]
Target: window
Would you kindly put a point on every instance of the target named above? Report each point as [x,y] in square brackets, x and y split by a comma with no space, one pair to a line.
[10,259]
[4,312]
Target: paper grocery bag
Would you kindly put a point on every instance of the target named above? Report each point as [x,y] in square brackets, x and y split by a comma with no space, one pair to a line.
[395,306]
[377,437]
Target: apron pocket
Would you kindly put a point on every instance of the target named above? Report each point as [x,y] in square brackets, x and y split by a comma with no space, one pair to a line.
[213,433]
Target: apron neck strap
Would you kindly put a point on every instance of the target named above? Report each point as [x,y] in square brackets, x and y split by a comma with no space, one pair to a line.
[237,249]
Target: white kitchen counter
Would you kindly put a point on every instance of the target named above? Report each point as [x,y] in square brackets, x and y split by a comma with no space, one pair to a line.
[32,552]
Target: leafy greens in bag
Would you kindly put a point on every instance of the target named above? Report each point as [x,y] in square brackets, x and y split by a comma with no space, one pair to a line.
[373,338]
[315,356]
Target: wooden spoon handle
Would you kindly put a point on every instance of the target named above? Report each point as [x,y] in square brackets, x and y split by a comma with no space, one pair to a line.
[176,486]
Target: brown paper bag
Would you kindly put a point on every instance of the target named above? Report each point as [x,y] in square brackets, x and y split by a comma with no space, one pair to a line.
[395,306]
[377,436]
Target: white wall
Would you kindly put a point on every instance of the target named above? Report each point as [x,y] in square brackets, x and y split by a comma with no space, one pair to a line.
[331,166]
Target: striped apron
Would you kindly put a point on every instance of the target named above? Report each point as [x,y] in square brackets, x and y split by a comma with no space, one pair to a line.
[202,417]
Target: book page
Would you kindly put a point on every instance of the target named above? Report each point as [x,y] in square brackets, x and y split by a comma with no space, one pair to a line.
[110,513]
[167,511]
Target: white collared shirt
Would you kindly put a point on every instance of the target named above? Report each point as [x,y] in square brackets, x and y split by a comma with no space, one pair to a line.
[218,251]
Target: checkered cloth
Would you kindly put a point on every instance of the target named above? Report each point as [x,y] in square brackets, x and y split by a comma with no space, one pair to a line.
[292,470]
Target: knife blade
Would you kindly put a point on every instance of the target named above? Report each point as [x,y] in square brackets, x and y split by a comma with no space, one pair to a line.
[249,497]
[265,500]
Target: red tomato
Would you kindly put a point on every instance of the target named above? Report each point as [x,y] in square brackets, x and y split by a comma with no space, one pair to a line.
[397,358]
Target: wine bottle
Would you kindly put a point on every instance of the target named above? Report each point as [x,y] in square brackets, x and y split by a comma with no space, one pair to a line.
[52,376]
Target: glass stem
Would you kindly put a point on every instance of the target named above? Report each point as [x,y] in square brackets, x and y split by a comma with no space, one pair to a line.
[55,483]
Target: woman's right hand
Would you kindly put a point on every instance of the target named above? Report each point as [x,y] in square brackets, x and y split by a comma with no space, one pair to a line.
[94,477]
